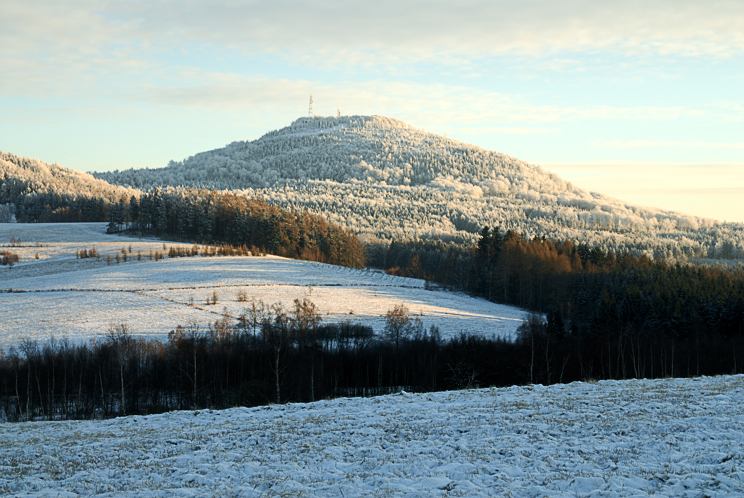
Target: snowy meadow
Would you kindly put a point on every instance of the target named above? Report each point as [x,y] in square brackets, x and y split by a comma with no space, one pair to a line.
[61,295]
[670,437]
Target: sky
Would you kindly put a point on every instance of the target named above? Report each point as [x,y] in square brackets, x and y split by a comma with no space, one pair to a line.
[638,100]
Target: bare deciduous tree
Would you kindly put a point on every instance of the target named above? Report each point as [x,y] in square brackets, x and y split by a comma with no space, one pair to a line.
[120,337]
[397,321]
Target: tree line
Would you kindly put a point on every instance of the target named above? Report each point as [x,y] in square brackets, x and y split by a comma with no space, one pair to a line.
[618,302]
[60,208]
[273,355]
[211,217]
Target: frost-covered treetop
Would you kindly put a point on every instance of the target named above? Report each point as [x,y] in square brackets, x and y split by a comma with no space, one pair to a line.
[309,124]
[26,176]
[373,149]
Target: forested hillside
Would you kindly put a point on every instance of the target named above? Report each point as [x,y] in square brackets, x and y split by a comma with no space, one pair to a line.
[225,218]
[590,291]
[41,192]
[385,179]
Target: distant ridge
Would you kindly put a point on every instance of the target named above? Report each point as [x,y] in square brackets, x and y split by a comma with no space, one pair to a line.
[41,177]
[388,180]
[49,192]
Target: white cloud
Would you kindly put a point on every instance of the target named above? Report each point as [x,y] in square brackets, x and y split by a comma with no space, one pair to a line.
[94,46]
[247,93]
[57,48]
[639,175]
[382,30]
[433,27]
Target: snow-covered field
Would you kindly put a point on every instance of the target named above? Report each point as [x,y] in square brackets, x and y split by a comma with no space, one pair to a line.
[675,437]
[678,437]
[82,298]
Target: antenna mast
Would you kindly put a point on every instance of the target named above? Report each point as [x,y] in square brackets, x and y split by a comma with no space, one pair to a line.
[310,109]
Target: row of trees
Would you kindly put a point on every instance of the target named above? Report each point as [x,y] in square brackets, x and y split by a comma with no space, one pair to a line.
[269,355]
[61,208]
[226,218]
[34,191]
[594,292]
[273,355]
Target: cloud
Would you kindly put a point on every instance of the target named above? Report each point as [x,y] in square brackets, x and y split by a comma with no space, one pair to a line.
[433,27]
[386,29]
[465,68]
[248,93]
[57,48]
[95,46]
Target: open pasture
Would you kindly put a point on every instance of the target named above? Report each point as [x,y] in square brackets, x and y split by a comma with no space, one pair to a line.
[61,295]
[669,437]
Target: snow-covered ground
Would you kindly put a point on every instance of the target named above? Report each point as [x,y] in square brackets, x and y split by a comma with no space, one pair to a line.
[82,298]
[678,437]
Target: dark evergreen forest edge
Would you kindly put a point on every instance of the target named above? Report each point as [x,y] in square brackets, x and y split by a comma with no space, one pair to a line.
[224,218]
[597,315]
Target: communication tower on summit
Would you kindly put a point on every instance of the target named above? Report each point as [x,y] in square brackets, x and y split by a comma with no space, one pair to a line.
[310,109]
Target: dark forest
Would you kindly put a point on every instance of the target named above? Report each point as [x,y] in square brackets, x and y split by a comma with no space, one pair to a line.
[273,355]
[210,217]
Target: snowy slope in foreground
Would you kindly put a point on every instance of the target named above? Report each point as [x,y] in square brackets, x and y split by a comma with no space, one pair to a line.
[680,437]
[82,298]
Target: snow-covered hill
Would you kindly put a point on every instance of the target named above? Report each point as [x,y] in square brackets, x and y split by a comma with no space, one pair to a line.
[61,295]
[671,437]
[386,179]
[22,176]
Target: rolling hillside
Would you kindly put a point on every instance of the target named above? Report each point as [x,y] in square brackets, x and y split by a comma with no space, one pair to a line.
[82,298]
[387,180]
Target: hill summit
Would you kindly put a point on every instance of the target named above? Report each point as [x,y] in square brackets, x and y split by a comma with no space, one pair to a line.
[386,179]
[371,149]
